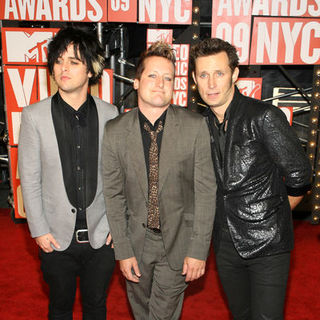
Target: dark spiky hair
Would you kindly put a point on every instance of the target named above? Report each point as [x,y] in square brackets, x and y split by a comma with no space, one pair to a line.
[85,44]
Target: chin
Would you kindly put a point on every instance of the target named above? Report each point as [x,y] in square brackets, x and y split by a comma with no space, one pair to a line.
[210,103]
[161,104]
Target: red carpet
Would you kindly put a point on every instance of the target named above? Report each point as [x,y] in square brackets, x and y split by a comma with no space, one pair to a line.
[23,294]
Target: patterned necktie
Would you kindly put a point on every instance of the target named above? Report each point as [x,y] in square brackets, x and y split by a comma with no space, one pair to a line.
[153,201]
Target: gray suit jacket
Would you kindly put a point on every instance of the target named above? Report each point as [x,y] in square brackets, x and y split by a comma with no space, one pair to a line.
[187,188]
[45,199]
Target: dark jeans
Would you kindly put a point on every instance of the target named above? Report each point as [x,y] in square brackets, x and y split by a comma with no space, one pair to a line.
[94,268]
[255,288]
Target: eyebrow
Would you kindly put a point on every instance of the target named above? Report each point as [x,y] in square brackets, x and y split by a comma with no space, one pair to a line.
[167,73]
[215,70]
[70,58]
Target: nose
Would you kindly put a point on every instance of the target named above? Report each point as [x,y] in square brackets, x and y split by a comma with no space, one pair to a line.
[211,82]
[64,66]
[160,82]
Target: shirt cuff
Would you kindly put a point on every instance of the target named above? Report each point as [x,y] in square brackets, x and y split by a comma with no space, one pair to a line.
[296,192]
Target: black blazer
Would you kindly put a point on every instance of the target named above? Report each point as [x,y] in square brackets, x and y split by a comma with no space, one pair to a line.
[263,163]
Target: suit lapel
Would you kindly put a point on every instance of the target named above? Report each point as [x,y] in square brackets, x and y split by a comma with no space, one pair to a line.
[214,152]
[217,162]
[168,145]
[136,152]
[234,113]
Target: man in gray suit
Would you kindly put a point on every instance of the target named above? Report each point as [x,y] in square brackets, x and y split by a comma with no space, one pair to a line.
[59,165]
[158,260]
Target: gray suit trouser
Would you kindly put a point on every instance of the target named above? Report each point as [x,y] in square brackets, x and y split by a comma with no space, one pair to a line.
[159,294]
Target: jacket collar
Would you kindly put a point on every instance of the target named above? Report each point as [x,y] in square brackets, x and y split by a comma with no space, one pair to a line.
[234,112]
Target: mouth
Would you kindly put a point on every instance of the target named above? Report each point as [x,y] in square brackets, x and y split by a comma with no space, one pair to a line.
[212,95]
[64,78]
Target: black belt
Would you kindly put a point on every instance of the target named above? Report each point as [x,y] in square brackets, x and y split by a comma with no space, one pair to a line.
[82,236]
[155,230]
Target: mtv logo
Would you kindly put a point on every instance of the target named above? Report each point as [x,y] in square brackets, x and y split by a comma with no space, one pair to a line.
[250,87]
[26,46]
[154,35]
[288,111]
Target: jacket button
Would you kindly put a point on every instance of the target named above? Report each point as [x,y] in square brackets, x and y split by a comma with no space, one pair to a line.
[73,210]
[143,225]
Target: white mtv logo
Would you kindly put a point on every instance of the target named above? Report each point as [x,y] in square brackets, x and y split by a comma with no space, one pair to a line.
[24,47]
[160,35]
[248,88]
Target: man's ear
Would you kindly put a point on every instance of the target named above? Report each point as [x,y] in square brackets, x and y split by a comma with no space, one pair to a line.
[136,84]
[235,75]
[194,77]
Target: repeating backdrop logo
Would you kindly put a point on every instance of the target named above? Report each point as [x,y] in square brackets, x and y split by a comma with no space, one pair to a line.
[33,44]
[154,35]
[250,87]
[54,10]
[165,12]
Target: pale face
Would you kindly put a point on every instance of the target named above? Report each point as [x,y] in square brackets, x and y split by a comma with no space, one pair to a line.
[215,81]
[71,74]
[155,87]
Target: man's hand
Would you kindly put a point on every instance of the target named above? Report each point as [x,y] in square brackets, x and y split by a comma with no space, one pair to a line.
[193,268]
[294,201]
[44,242]
[129,268]
[109,240]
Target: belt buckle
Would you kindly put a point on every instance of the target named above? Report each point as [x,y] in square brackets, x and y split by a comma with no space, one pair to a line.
[155,230]
[78,235]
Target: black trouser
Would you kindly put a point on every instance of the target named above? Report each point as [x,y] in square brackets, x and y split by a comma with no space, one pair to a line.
[60,270]
[255,288]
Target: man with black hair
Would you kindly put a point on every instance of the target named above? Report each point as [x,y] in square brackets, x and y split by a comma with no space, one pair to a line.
[262,173]
[59,166]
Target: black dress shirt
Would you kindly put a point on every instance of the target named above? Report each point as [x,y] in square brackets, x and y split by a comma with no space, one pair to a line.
[77,135]
[219,131]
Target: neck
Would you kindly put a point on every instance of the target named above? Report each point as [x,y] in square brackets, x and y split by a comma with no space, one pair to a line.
[75,99]
[219,113]
[153,114]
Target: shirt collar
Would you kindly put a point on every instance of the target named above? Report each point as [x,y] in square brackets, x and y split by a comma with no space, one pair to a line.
[208,112]
[82,110]
[154,127]
[75,116]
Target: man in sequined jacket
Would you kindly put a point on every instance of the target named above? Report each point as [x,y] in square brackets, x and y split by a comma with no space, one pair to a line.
[262,173]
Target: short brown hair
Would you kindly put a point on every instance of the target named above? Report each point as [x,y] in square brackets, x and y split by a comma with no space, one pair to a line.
[208,47]
[157,49]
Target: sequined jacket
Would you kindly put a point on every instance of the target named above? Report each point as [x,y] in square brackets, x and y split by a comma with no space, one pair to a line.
[263,164]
